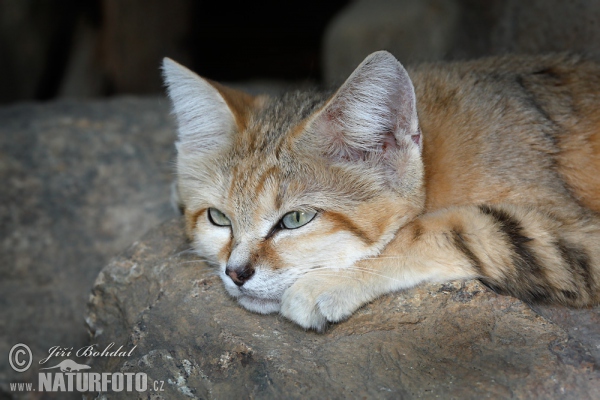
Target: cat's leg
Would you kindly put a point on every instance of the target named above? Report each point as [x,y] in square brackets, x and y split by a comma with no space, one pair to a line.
[525,252]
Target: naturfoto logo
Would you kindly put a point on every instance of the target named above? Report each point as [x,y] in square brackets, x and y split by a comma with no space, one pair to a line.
[68,375]
[90,381]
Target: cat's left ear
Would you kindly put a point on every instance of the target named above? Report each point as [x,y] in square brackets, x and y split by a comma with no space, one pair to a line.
[373,112]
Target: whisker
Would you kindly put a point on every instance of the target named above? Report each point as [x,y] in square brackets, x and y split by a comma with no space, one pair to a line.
[386,257]
[353,269]
[186,251]
[321,274]
[324,263]
[190,262]
[358,278]
[320,262]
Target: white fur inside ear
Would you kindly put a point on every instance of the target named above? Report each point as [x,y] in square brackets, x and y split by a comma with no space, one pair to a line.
[205,122]
[377,100]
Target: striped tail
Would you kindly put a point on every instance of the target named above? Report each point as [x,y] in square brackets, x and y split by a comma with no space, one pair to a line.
[529,253]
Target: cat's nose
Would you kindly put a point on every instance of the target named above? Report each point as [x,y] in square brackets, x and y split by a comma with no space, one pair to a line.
[239,276]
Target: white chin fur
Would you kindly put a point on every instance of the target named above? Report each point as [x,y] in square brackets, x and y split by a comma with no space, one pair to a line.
[257,305]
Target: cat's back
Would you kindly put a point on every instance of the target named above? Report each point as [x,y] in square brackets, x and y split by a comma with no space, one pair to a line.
[511,129]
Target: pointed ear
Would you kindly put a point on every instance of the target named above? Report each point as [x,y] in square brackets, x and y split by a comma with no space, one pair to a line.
[373,112]
[208,114]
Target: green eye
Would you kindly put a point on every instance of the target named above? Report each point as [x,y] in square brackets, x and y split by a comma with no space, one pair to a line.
[217,218]
[296,219]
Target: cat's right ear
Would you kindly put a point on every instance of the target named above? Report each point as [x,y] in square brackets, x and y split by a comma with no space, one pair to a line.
[206,123]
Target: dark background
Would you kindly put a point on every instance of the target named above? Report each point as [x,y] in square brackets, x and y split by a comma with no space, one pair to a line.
[91,48]
[94,48]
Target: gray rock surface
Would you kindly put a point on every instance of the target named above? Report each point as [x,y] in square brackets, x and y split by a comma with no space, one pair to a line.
[80,182]
[456,340]
[430,30]
[412,30]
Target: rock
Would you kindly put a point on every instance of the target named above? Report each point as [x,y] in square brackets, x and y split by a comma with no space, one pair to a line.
[412,30]
[80,182]
[542,26]
[456,340]
[431,30]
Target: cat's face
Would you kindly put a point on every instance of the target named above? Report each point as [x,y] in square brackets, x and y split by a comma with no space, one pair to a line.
[274,188]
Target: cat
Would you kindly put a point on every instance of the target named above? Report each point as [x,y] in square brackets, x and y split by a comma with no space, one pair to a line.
[314,203]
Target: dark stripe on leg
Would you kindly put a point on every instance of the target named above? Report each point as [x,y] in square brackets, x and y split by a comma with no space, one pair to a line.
[578,262]
[460,243]
[530,282]
[494,287]
[463,247]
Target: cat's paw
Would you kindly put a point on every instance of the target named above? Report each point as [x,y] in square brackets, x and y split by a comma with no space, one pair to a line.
[312,303]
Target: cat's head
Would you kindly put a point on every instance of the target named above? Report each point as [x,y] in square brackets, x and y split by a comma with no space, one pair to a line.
[274,187]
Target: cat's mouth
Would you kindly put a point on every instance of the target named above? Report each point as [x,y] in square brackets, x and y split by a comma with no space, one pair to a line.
[258,304]
[260,294]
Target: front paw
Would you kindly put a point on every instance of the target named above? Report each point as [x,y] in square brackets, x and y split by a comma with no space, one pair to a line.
[311,303]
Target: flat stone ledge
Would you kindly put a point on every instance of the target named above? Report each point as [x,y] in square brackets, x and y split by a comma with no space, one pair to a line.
[456,340]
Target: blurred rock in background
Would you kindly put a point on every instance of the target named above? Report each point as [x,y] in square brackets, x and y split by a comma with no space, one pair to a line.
[412,30]
[429,30]
[81,180]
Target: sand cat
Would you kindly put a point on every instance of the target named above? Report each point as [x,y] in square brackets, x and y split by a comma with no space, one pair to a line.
[313,203]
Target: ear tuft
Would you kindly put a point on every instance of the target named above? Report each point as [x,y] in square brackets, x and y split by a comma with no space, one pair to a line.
[205,122]
[373,111]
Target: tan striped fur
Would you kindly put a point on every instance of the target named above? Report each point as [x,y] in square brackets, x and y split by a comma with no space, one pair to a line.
[486,169]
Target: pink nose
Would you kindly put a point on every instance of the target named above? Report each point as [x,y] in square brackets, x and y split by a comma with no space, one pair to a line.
[239,276]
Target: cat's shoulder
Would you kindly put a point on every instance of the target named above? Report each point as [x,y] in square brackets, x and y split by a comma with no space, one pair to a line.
[507,64]
[510,71]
